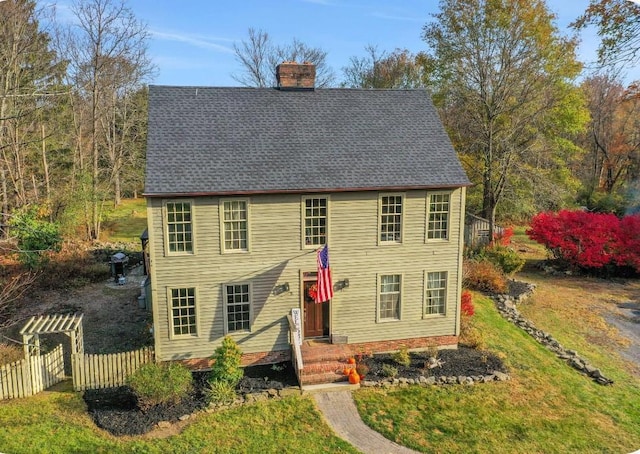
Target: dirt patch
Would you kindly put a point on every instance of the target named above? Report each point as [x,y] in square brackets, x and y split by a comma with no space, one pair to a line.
[113,321]
[608,310]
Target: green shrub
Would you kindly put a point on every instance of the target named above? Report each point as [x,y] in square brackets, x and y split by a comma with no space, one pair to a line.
[160,383]
[484,276]
[389,371]
[35,235]
[220,392]
[505,258]
[402,357]
[226,367]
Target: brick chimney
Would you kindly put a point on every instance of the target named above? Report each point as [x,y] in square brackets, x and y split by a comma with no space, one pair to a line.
[296,76]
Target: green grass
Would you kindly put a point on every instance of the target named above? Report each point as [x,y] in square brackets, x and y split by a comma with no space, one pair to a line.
[57,422]
[547,407]
[126,222]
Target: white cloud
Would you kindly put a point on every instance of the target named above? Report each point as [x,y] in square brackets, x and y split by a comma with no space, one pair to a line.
[204,42]
[398,18]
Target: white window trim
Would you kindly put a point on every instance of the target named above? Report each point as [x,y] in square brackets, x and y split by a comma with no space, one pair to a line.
[172,335]
[303,204]
[379,319]
[225,313]
[165,227]
[428,213]
[424,294]
[222,232]
[403,199]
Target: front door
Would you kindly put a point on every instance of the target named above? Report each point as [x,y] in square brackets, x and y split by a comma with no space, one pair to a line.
[316,315]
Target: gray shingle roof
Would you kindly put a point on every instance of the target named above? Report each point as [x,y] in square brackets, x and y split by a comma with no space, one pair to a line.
[245,140]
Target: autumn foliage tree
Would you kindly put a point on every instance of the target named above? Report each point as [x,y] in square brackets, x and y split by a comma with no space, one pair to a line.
[504,82]
[618,25]
[612,139]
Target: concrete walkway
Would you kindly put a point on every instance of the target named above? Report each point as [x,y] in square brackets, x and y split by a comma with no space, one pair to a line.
[340,411]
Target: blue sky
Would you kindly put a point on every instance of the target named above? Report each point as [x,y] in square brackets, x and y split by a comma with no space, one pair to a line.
[192,39]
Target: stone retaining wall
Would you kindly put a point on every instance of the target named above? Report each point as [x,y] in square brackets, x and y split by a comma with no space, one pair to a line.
[506,305]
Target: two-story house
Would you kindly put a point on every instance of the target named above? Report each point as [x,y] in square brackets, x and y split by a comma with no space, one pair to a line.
[244,185]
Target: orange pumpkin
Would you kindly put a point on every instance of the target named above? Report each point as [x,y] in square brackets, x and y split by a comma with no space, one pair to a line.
[354,379]
[346,371]
[351,360]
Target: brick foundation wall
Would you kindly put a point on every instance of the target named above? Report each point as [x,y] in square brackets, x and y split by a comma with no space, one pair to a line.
[259,358]
[416,343]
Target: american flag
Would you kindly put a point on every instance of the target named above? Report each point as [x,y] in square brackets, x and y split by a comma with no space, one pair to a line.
[325,287]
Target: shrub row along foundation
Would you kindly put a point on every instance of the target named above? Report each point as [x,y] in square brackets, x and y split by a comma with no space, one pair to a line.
[506,305]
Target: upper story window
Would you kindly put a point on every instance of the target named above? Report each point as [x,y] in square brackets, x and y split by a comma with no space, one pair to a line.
[237,307]
[183,311]
[179,226]
[438,216]
[315,220]
[391,218]
[235,225]
[436,298]
[389,303]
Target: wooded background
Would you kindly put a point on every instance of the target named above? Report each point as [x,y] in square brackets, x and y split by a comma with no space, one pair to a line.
[533,130]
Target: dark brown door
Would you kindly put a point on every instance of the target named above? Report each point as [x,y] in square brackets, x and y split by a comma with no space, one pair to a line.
[316,315]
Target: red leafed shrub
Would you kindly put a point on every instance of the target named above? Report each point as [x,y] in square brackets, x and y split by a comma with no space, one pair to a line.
[504,238]
[589,240]
[466,305]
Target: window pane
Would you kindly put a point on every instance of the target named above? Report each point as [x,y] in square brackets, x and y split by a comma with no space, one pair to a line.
[436,293]
[238,307]
[315,221]
[183,310]
[391,219]
[390,297]
[438,224]
[235,222]
[179,227]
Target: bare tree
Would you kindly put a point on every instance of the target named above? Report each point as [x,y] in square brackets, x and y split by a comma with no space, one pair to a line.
[258,57]
[107,50]
[30,74]
[12,289]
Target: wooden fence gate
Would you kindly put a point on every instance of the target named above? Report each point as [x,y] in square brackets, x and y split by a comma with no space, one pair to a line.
[31,375]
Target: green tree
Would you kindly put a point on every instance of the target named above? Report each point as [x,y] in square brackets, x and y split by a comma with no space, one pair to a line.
[504,83]
[398,69]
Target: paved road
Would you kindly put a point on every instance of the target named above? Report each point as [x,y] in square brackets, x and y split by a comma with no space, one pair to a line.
[340,411]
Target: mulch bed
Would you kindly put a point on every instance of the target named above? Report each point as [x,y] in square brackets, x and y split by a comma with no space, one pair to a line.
[464,361]
[116,410]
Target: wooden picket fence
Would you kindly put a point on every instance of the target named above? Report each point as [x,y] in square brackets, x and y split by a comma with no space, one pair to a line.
[31,375]
[108,370]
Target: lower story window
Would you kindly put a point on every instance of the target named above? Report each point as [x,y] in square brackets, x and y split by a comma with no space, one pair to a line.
[436,293]
[390,297]
[183,311]
[238,307]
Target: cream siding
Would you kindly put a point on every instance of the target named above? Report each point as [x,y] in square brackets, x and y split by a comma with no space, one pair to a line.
[277,257]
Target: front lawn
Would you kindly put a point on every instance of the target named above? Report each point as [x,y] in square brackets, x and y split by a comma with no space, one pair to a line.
[546,407]
[56,421]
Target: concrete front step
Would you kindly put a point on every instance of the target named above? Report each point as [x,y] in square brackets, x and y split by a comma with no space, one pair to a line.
[329,387]
[322,377]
